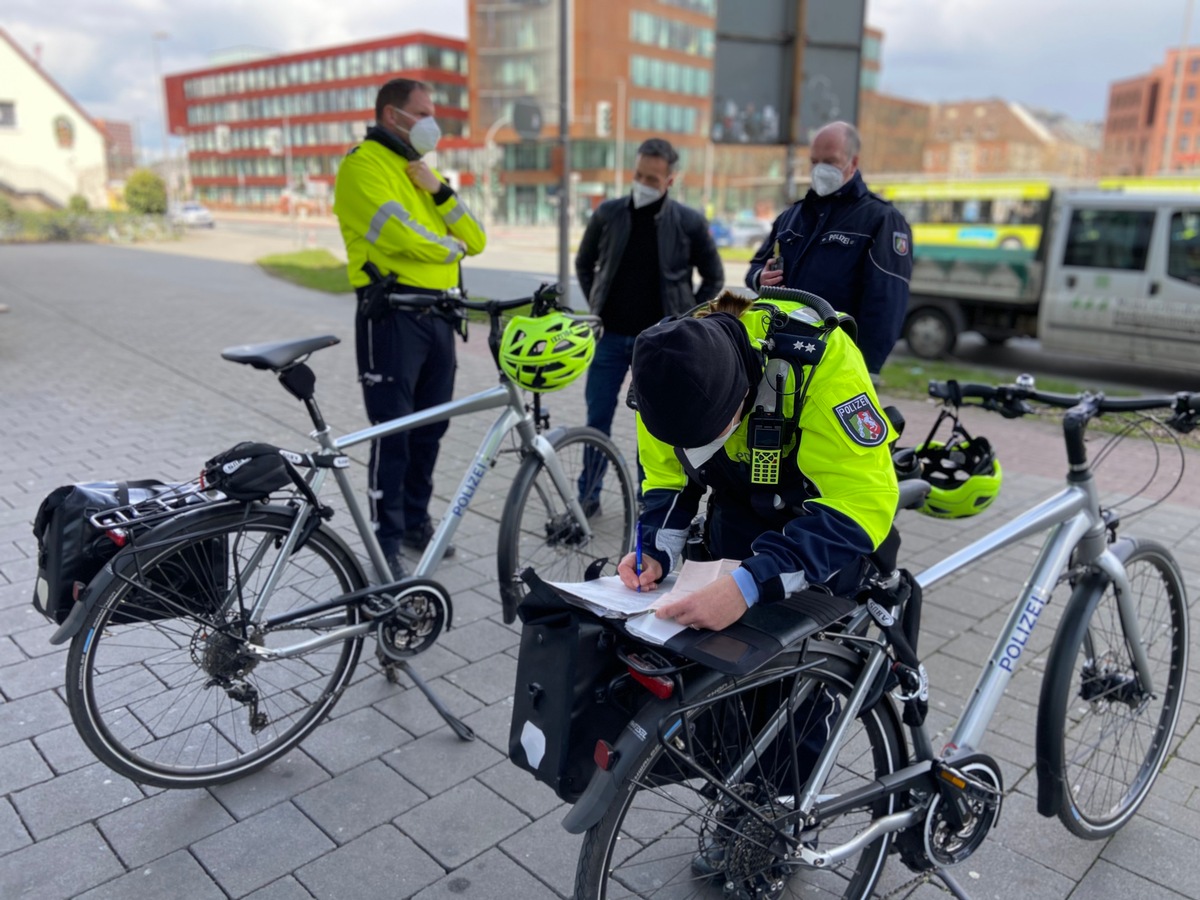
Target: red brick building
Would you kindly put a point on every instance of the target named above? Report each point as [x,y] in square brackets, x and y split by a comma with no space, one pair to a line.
[264,130]
[1138,126]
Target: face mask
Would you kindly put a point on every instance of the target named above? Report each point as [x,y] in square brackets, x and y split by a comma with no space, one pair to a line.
[826,178]
[644,195]
[424,134]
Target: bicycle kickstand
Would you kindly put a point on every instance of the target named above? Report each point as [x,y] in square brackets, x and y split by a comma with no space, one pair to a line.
[460,728]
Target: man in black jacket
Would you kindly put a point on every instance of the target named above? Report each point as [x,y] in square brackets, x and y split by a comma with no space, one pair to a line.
[635,266]
[843,243]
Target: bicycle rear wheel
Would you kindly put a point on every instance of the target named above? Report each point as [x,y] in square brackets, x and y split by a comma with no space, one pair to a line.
[1102,737]
[159,684]
[537,529]
[669,833]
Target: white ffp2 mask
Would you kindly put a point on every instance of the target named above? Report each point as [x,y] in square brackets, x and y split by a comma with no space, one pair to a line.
[644,195]
[826,178]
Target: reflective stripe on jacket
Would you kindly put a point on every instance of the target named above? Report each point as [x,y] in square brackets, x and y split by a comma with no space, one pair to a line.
[840,485]
[388,220]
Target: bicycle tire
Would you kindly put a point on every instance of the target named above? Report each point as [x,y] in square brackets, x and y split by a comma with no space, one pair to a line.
[153,682]
[1092,717]
[536,528]
[646,843]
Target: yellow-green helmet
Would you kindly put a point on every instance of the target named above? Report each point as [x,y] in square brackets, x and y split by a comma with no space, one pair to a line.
[965,476]
[546,353]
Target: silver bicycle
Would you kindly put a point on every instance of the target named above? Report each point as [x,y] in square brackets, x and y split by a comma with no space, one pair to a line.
[224,632]
[794,779]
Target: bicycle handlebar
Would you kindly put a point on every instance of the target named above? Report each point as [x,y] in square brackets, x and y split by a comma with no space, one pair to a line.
[1012,401]
[544,299]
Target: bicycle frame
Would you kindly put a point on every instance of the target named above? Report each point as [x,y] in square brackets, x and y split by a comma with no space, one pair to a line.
[504,396]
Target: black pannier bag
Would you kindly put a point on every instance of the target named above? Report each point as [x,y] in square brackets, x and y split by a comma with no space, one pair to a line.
[72,551]
[569,679]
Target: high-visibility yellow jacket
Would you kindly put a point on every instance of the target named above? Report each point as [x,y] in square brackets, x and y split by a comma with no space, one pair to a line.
[837,491]
[388,220]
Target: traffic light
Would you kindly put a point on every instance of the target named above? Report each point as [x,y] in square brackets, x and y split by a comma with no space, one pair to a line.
[604,118]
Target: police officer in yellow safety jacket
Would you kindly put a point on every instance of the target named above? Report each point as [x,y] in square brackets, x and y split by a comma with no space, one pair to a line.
[397,213]
[758,401]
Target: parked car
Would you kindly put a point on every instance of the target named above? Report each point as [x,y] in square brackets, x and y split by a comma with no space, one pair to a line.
[192,214]
[739,232]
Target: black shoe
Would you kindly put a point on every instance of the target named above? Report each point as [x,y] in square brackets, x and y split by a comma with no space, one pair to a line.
[591,508]
[418,539]
[396,564]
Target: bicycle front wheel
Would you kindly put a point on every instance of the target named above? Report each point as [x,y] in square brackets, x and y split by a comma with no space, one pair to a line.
[537,529]
[160,684]
[670,833]
[1106,734]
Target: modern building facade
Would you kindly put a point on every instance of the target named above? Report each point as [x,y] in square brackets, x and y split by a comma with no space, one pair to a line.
[270,132]
[1152,125]
[640,68]
[50,148]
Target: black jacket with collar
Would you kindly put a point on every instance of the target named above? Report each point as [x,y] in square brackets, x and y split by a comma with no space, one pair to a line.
[683,244]
[855,250]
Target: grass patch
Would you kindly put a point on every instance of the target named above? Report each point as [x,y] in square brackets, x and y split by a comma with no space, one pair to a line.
[736,254]
[910,378]
[318,270]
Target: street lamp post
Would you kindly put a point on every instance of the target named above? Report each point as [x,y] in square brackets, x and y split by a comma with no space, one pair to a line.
[1176,90]
[156,37]
[489,163]
[619,173]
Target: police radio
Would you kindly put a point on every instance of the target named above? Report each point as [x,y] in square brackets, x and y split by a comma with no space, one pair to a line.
[765,438]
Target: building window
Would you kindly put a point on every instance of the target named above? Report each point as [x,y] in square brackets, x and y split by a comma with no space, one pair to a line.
[1190,92]
[8,114]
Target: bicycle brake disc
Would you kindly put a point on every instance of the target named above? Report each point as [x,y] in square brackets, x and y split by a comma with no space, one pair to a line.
[410,619]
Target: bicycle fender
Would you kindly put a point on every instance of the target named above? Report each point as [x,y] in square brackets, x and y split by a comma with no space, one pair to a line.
[1085,596]
[168,530]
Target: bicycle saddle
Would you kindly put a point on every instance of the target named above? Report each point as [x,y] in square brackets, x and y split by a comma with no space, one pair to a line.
[277,355]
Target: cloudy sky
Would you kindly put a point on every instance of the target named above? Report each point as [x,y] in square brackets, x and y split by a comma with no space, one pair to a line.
[1055,54]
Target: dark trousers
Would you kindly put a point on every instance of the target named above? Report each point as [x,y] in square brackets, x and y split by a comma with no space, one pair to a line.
[606,374]
[406,363]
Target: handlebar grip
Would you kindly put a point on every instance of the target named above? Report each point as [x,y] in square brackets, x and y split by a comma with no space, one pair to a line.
[956,392]
[1193,402]
[818,304]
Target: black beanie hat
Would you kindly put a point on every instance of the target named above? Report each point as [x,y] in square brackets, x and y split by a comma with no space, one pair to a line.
[691,376]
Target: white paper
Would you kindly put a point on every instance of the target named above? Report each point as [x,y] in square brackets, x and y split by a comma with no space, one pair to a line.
[608,596]
[652,629]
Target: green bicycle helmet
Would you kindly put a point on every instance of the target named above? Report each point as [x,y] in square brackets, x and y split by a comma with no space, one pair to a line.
[965,475]
[546,353]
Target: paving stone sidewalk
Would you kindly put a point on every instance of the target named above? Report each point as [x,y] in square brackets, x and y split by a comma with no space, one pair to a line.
[110,368]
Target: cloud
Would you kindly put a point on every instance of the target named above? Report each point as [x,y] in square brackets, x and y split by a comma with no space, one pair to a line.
[1055,54]
[102,51]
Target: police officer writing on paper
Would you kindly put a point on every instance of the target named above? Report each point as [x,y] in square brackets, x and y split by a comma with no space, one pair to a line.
[635,266]
[399,217]
[775,412]
[843,243]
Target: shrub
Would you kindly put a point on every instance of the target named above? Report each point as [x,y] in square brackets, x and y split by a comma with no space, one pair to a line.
[78,204]
[7,212]
[145,193]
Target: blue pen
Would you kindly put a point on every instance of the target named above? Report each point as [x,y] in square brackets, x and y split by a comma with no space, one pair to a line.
[638,552]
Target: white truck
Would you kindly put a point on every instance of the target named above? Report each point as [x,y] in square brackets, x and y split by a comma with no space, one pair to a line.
[1116,277]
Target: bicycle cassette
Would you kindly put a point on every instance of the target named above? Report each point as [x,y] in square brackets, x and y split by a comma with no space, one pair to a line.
[409,617]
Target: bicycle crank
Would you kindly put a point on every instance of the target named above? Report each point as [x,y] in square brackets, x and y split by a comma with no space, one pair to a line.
[963,810]
[409,617]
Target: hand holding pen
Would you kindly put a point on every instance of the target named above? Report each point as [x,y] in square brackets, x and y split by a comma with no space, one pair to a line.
[638,552]
[640,572]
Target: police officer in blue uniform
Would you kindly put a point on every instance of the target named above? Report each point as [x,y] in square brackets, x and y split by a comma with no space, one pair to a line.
[843,243]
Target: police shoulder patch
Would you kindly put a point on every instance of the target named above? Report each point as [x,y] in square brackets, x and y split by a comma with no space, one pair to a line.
[862,421]
[900,243]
